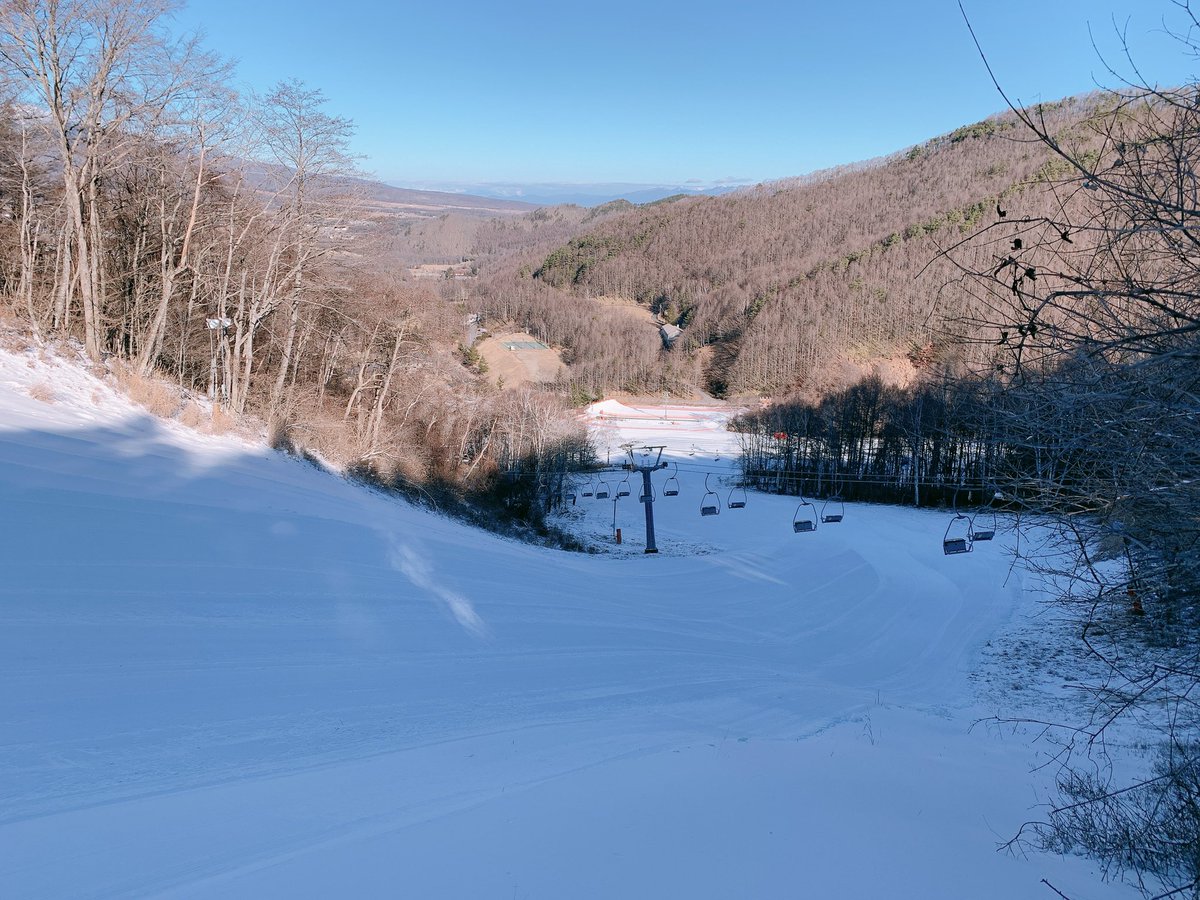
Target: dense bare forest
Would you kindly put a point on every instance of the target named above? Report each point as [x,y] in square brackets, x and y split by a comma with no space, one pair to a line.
[454,236]
[790,286]
[178,230]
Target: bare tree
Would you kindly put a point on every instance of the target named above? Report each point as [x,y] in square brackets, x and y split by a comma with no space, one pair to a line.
[309,164]
[187,165]
[99,74]
[1092,321]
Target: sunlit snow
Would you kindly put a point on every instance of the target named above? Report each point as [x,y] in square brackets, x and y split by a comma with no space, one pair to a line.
[229,673]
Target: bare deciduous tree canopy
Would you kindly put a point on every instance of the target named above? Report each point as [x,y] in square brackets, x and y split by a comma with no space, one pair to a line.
[782,284]
[218,241]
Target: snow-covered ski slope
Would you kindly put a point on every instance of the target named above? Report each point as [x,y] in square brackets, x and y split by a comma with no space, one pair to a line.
[227,673]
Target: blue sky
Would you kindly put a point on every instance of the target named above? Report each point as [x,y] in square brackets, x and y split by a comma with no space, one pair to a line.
[666,92]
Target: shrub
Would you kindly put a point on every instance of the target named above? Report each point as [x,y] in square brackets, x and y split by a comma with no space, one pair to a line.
[1151,827]
[42,391]
[152,394]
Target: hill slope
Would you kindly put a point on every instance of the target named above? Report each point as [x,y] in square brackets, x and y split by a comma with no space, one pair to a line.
[785,284]
[230,673]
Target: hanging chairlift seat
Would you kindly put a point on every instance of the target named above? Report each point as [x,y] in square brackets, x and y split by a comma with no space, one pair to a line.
[710,503]
[740,501]
[958,542]
[801,521]
[833,516]
[602,491]
[671,487]
[623,488]
[984,533]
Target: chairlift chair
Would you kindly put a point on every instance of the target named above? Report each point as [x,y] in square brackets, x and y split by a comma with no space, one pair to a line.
[671,487]
[710,503]
[623,487]
[740,501]
[588,490]
[960,541]
[602,491]
[987,530]
[833,516]
[802,520]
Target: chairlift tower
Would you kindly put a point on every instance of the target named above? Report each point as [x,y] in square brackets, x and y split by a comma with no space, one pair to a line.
[646,467]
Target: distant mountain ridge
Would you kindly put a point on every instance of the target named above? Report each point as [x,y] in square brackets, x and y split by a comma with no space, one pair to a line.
[589,194]
[400,202]
[445,201]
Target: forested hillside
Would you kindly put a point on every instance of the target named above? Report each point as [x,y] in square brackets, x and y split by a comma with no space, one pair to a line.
[454,235]
[225,243]
[777,288]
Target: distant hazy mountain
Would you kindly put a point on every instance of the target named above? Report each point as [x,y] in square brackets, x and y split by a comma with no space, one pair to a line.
[438,202]
[404,203]
[552,194]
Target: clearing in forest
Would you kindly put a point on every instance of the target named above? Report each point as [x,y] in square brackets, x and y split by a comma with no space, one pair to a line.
[519,358]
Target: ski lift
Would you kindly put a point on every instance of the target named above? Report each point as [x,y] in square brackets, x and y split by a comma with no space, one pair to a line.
[710,503]
[986,530]
[602,491]
[642,494]
[671,488]
[804,520]
[960,541]
[623,487]
[588,490]
[989,524]
[740,501]
[837,513]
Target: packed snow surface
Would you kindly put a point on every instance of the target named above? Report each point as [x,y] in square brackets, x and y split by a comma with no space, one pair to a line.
[229,673]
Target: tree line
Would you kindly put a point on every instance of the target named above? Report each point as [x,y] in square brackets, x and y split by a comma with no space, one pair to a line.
[932,444]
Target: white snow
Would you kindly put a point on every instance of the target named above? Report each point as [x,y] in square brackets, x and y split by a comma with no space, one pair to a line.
[690,430]
[227,673]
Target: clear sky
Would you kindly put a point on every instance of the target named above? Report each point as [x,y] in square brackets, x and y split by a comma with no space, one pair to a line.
[668,92]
